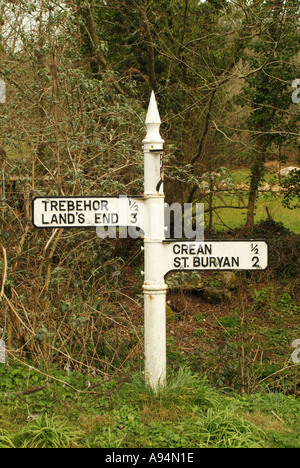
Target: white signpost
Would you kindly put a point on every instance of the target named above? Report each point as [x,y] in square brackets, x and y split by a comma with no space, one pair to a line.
[87,212]
[161,257]
[215,255]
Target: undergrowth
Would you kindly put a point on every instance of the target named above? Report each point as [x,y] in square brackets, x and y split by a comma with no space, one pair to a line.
[187,413]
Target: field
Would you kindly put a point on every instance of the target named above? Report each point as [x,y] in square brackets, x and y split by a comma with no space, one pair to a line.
[269,204]
[236,218]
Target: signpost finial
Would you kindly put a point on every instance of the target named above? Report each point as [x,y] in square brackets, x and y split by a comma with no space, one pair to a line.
[153,122]
[153,114]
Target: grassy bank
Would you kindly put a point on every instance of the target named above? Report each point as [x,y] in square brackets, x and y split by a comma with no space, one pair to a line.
[189,413]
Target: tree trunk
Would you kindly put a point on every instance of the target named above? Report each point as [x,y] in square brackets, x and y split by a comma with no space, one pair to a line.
[210,203]
[202,141]
[257,171]
[87,13]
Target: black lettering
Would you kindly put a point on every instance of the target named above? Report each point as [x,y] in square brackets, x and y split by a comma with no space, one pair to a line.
[87,205]
[204,249]
[208,249]
[106,218]
[235,261]
[61,205]
[71,219]
[43,220]
[71,205]
[53,205]
[97,218]
[62,218]
[134,216]
[227,262]
[196,262]
[177,262]
[220,260]
[213,262]
[79,205]
[114,218]
[185,249]
[96,205]
[192,249]
[104,205]
[45,205]
[176,249]
[81,218]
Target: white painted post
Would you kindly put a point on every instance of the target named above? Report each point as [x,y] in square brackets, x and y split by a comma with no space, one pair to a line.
[155,288]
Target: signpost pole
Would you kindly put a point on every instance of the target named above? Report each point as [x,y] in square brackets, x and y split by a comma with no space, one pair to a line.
[155,288]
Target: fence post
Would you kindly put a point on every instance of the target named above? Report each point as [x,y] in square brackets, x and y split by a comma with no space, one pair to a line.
[155,288]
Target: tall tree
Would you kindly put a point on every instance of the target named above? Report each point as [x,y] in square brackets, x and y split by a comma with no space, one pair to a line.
[271,54]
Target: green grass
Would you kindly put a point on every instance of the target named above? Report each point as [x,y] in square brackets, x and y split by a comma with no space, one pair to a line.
[242,176]
[187,413]
[48,432]
[234,218]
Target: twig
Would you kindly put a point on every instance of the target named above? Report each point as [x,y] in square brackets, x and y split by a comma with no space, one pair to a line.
[17,315]
[66,384]
[276,416]
[104,315]
[29,391]
[221,325]
[133,327]
[50,240]
[123,294]
[277,372]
